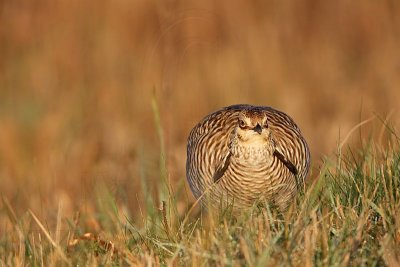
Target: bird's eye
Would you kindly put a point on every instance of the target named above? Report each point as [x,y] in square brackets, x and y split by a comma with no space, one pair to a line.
[241,124]
[265,124]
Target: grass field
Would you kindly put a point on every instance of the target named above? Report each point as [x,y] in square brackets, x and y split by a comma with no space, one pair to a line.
[349,216]
[97,100]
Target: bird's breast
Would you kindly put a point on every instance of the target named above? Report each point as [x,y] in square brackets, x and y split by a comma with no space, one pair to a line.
[252,155]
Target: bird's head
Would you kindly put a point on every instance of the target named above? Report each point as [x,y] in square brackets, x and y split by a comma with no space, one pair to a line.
[253,127]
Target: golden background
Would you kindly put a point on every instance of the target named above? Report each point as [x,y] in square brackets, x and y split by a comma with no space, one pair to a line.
[81,83]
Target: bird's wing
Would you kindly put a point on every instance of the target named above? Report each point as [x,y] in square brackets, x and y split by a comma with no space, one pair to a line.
[221,167]
[286,162]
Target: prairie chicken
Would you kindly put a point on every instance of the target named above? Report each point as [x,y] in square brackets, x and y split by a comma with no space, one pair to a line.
[242,153]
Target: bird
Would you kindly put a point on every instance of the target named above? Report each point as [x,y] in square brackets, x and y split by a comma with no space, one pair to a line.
[243,154]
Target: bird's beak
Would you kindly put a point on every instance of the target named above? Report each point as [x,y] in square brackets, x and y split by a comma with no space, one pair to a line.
[258,129]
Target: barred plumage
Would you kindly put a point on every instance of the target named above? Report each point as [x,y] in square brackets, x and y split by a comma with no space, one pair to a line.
[245,153]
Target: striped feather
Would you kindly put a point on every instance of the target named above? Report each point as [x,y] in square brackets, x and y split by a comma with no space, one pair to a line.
[250,174]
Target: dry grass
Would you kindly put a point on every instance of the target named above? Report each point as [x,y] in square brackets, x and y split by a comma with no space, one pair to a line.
[81,83]
[349,216]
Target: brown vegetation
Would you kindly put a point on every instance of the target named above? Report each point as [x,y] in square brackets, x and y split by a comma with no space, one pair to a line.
[77,79]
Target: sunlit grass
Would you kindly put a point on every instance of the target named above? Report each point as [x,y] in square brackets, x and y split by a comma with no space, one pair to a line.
[86,148]
[348,216]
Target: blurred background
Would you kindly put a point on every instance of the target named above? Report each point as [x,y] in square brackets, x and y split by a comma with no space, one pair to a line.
[83,82]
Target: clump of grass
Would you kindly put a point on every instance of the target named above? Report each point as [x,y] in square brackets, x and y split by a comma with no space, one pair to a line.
[349,215]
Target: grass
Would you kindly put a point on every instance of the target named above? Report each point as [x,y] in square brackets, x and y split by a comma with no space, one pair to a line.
[84,172]
[348,216]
